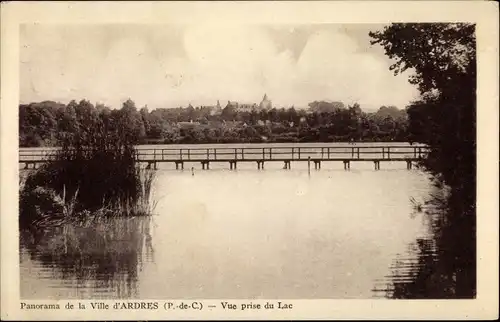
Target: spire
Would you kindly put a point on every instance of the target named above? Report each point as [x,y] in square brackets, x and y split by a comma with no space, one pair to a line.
[265,103]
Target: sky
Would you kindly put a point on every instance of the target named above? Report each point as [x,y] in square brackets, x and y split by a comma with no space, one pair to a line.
[176,65]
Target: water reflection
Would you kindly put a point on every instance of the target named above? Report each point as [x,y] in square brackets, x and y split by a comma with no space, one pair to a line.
[250,234]
[100,260]
[443,264]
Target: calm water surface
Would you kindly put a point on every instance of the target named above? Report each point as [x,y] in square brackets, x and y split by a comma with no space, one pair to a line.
[243,234]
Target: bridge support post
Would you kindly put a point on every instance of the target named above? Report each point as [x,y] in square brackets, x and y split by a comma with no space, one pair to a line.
[317,164]
[203,165]
[377,165]
[154,165]
[347,165]
[408,164]
[287,165]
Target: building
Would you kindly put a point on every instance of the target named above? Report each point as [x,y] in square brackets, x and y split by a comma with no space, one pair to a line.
[187,125]
[214,109]
[265,104]
[242,107]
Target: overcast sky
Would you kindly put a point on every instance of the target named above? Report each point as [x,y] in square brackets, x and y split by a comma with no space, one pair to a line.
[174,65]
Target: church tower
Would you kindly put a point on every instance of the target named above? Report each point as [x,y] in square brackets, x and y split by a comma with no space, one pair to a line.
[266,103]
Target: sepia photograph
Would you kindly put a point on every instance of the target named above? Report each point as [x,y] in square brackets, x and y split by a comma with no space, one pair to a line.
[134,138]
[247,161]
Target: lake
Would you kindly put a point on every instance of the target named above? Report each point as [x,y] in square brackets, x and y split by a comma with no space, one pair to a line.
[217,233]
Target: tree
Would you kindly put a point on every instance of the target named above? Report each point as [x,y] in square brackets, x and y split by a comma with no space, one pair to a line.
[228,113]
[130,122]
[293,116]
[438,52]
[355,110]
[443,58]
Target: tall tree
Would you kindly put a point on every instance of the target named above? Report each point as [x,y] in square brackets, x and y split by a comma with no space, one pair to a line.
[443,58]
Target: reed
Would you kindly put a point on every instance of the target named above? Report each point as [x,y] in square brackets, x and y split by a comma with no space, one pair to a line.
[91,176]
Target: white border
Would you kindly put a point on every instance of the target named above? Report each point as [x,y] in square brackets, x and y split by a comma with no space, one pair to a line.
[485,14]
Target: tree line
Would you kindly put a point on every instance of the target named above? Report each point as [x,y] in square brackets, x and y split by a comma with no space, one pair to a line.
[49,123]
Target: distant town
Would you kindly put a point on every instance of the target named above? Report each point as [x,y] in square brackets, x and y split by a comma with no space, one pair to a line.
[48,123]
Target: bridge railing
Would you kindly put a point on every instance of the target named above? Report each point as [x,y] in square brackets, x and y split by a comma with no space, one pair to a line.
[282,153]
[258,153]
[38,155]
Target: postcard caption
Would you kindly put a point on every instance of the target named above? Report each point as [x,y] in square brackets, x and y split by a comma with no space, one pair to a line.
[161,305]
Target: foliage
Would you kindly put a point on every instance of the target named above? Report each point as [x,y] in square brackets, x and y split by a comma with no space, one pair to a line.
[52,124]
[95,171]
[443,58]
[437,52]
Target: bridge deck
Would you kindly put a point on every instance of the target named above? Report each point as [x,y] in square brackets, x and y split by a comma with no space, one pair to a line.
[280,160]
[315,154]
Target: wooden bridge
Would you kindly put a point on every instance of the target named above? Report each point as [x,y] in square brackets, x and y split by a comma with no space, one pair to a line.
[260,155]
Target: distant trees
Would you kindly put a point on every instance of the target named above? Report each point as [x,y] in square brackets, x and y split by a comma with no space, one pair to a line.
[37,123]
[50,123]
[325,107]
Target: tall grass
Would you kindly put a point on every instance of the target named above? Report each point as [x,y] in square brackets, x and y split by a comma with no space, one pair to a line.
[93,175]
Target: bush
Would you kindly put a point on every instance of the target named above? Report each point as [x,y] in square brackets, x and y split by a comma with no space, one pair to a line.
[94,173]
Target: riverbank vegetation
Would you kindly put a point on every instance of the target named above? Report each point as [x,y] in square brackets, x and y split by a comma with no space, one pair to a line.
[443,56]
[94,175]
[49,123]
